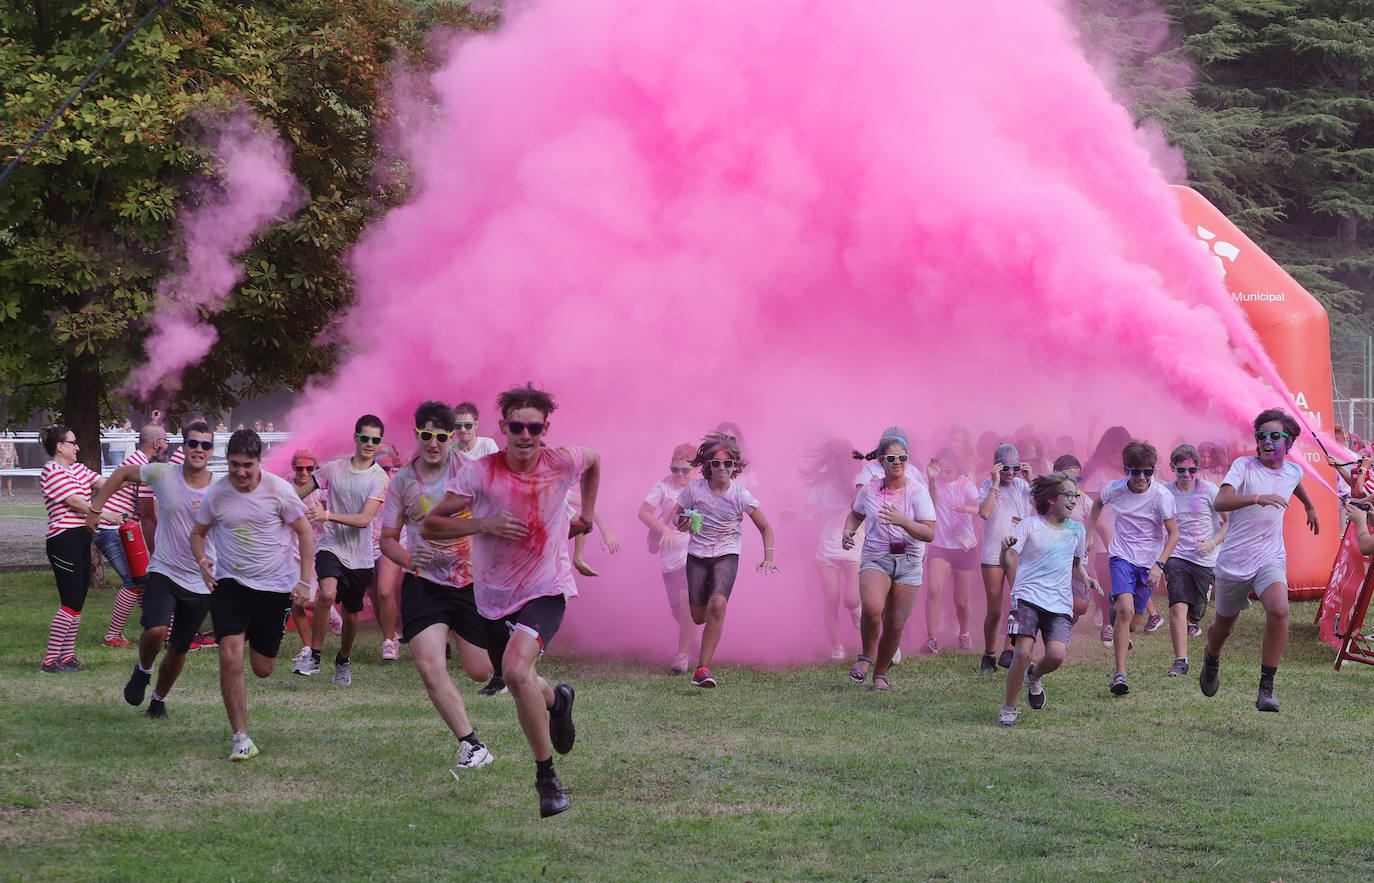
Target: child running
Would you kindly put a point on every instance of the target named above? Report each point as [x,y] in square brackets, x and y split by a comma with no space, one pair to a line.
[656,512]
[1188,572]
[1253,557]
[899,519]
[1146,533]
[712,509]
[1004,501]
[1042,558]
[954,551]
[830,477]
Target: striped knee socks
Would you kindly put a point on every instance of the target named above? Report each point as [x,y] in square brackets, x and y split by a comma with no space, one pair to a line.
[124,604]
[62,636]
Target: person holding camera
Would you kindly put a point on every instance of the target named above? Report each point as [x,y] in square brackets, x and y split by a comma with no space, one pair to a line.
[1004,501]
[899,519]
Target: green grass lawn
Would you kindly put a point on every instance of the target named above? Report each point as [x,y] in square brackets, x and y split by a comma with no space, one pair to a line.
[774,775]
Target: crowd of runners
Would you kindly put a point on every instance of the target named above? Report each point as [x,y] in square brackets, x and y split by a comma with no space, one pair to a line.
[478,544]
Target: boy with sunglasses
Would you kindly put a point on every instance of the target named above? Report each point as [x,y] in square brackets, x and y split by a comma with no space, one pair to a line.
[517,500]
[303,466]
[1188,573]
[1253,557]
[354,489]
[1146,533]
[466,441]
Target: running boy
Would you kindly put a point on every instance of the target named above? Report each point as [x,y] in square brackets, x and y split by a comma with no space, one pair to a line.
[1146,533]
[1253,557]
[1188,572]
[1042,558]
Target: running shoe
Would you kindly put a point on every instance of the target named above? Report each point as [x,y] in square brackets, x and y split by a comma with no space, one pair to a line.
[553,797]
[157,708]
[494,687]
[53,668]
[1107,635]
[117,641]
[930,648]
[837,654]
[71,663]
[471,757]
[562,733]
[896,656]
[1035,691]
[1004,660]
[138,684]
[965,642]
[702,678]
[1194,630]
[204,639]
[988,664]
[1265,701]
[1154,622]
[308,665]
[343,673]
[244,750]
[335,621]
[1209,679]
[305,651]
[1118,685]
[1180,667]
[391,650]
[1006,716]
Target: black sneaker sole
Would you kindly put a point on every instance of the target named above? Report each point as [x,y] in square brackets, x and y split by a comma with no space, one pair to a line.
[134,691]
[554,801]
[1036,701]
[1120,689]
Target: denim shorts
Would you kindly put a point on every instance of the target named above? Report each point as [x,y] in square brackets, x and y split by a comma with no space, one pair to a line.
[904,569]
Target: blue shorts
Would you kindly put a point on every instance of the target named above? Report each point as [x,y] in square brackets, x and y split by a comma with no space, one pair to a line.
[1127,578]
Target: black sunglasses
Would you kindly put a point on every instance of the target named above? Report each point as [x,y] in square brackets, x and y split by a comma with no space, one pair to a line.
[722,464]
[192,444]
[516,428]
[304,468]
[1133,472]
[1273,435]
[680,470]
[368,439]
[1186,470]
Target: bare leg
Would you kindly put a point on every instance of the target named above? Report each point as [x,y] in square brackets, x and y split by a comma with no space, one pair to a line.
[428,650]
[1124,605]
[993,576]
[830,602]
[350,632]
[963,588]
[169,671]
[1023,647]
[533,695]
[1178,629]
[385,584]
[324,599]
[1275,601]
[874,587]
[231,684]
[937,577]
[714,617]
[900,600]
[475,660]
[149,643]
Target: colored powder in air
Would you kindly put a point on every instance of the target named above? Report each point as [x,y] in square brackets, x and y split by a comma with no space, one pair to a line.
[813,218]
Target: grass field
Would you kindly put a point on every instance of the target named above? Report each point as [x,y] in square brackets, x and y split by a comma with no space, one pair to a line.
[774,775]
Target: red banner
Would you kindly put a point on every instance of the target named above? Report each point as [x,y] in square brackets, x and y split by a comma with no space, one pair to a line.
[1343,591]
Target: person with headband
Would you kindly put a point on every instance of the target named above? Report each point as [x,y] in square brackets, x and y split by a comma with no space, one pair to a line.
[1256,491]
[656,513]
[899,519]
[1004,501]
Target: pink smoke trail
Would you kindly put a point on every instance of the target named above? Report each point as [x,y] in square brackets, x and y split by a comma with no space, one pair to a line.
[812,218]
[254,189]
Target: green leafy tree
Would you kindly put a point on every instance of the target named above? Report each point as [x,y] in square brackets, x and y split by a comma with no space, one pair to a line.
[87,222]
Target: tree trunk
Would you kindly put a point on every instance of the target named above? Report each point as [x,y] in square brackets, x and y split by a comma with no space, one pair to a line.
[81,406]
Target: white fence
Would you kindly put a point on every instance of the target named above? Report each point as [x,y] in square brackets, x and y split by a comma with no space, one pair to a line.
[30,448]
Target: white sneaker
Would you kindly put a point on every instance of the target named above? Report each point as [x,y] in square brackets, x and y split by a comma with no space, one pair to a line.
[305,651]
[335,621]
[470,758]
[837,653]
[343,674]
[306,665]
[1006,716]
[896,656]
[391,650]
[243,750]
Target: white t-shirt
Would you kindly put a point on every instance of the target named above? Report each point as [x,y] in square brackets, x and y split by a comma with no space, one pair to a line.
[1013,505]
[408,501]
[481,447]
[1198,521]
[672,552]
[1254,534]
[347,491]
[177,505]
[254,542]
[722,517]
[1140,521]
[1044,566]
[832,506]
[508,574]
[954,529]
[912,501]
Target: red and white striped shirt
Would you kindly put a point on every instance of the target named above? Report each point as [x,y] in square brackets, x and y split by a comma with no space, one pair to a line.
[58,483]
[125,500]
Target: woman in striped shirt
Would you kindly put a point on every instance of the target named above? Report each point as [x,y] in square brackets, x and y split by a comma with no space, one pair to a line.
[66,486]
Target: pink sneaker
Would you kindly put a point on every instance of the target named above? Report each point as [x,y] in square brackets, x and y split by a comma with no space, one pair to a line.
[391,650]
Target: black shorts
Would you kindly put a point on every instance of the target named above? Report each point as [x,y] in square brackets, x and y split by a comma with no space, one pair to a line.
[1188,583]
[710,576]
[260,616]
[423,603]
[166,601]
[541,618]
[353,584]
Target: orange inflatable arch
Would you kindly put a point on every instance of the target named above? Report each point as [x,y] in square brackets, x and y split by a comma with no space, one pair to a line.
[1294,330]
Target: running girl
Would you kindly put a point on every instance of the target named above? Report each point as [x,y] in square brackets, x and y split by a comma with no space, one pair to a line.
[1004,501]
[656,512]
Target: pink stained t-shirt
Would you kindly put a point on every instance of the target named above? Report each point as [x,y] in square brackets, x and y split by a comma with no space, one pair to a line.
[508,574]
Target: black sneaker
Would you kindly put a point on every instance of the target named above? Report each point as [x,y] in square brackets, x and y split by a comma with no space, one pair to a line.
[989,664]
[553,797]
[53,668]
[1180,667]
[138,682]
[561,729]
[493,687]
[1265,701]
[156,708]
[73,664]
[1209,679]
[1035,693]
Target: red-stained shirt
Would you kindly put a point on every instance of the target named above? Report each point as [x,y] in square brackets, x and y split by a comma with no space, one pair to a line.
[60,482]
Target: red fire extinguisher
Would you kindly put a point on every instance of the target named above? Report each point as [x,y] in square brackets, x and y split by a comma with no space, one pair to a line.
[131,538]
